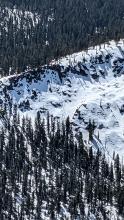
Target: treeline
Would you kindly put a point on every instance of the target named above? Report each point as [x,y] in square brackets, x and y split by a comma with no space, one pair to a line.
[63,27]
[44,171]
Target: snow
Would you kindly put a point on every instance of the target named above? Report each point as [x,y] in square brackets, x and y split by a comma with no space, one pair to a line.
[101,99]
[111,47]
[108,95]
[16,16]
[22,19]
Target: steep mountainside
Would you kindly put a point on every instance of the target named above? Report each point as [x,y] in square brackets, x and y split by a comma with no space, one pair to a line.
[61,110]
[84,86]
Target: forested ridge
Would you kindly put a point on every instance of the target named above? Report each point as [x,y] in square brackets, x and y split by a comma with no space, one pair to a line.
[45,173]
[34,32]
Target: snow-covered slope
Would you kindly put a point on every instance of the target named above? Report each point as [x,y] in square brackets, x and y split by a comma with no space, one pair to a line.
[86,86]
